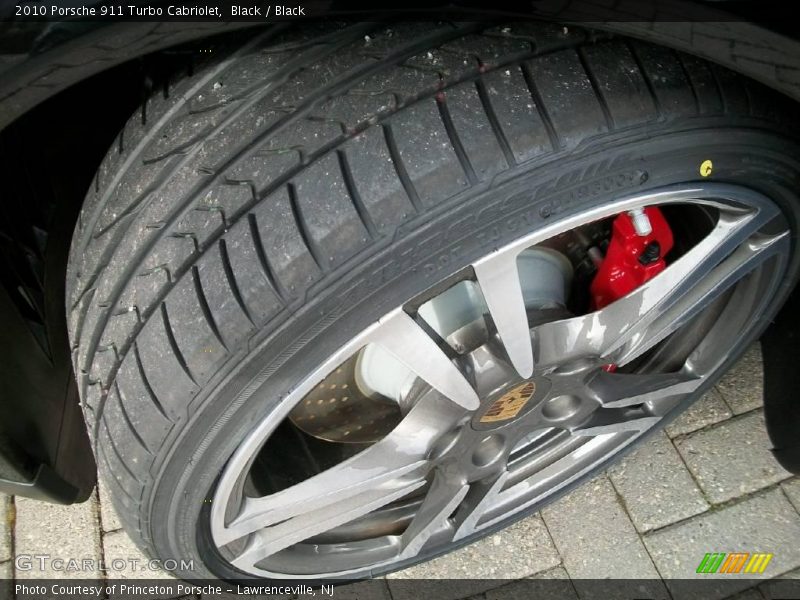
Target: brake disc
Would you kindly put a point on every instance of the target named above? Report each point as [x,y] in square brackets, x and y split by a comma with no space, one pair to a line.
[366,396]
[337,411]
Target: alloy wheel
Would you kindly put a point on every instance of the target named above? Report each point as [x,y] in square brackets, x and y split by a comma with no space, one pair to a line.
[473,403]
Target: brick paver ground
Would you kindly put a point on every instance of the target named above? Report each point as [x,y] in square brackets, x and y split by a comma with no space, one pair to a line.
[707,484]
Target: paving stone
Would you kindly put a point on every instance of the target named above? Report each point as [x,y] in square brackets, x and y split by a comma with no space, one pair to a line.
[6,580]
[562,587]
[751,594]
[233,595]
[762,523]
[792,489]
[520,550]
[656,486]
[458,588]
[556,573]
[375,589]
[61,533]
[784,587]
[6,527]
[709,409]
[108,515]
[732,458]
[553,584]
[597,540]
[594,535]
[515,590]
[743,386]
[124,560]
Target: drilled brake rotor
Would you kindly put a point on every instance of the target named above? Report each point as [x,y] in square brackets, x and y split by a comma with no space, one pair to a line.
[336,410]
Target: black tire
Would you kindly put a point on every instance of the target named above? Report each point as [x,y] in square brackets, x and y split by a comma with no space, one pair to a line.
[286,195]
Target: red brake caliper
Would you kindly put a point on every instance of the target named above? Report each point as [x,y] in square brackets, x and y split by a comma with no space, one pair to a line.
[634,256]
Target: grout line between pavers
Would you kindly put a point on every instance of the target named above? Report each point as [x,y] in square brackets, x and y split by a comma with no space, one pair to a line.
[624,506]
[571,582]
[621,500]
[627,514]
[558,551]
[753,588]
[100,537]
[695,480]
[561,566]
[100,502]
[552,541]
[711,504]
[710,426]
[388,587]
[725,402]
[788,498]
[715,508]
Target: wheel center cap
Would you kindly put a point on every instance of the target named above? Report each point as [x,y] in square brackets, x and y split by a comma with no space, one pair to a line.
[509,404]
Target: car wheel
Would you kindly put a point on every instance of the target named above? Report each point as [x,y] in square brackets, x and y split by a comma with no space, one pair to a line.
[341,300]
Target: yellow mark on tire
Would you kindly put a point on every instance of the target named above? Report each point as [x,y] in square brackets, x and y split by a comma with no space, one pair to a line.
[705,168]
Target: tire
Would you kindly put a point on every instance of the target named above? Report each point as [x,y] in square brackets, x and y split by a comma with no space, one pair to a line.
[252,219]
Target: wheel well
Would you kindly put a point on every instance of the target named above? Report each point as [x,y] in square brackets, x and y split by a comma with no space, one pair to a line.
[48,158]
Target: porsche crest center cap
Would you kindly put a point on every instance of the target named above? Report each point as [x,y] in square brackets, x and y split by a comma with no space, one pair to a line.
[509,404]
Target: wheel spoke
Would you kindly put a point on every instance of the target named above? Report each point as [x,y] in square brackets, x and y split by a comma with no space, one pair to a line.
[443,498]
[479,499]
[617,390]
[692,280]
[616,420]
[747,257]
[713,264]
[380,469]
[267,542]
[400,335]
[498,277]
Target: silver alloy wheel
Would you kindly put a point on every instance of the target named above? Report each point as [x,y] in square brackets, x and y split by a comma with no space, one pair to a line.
[443,475]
